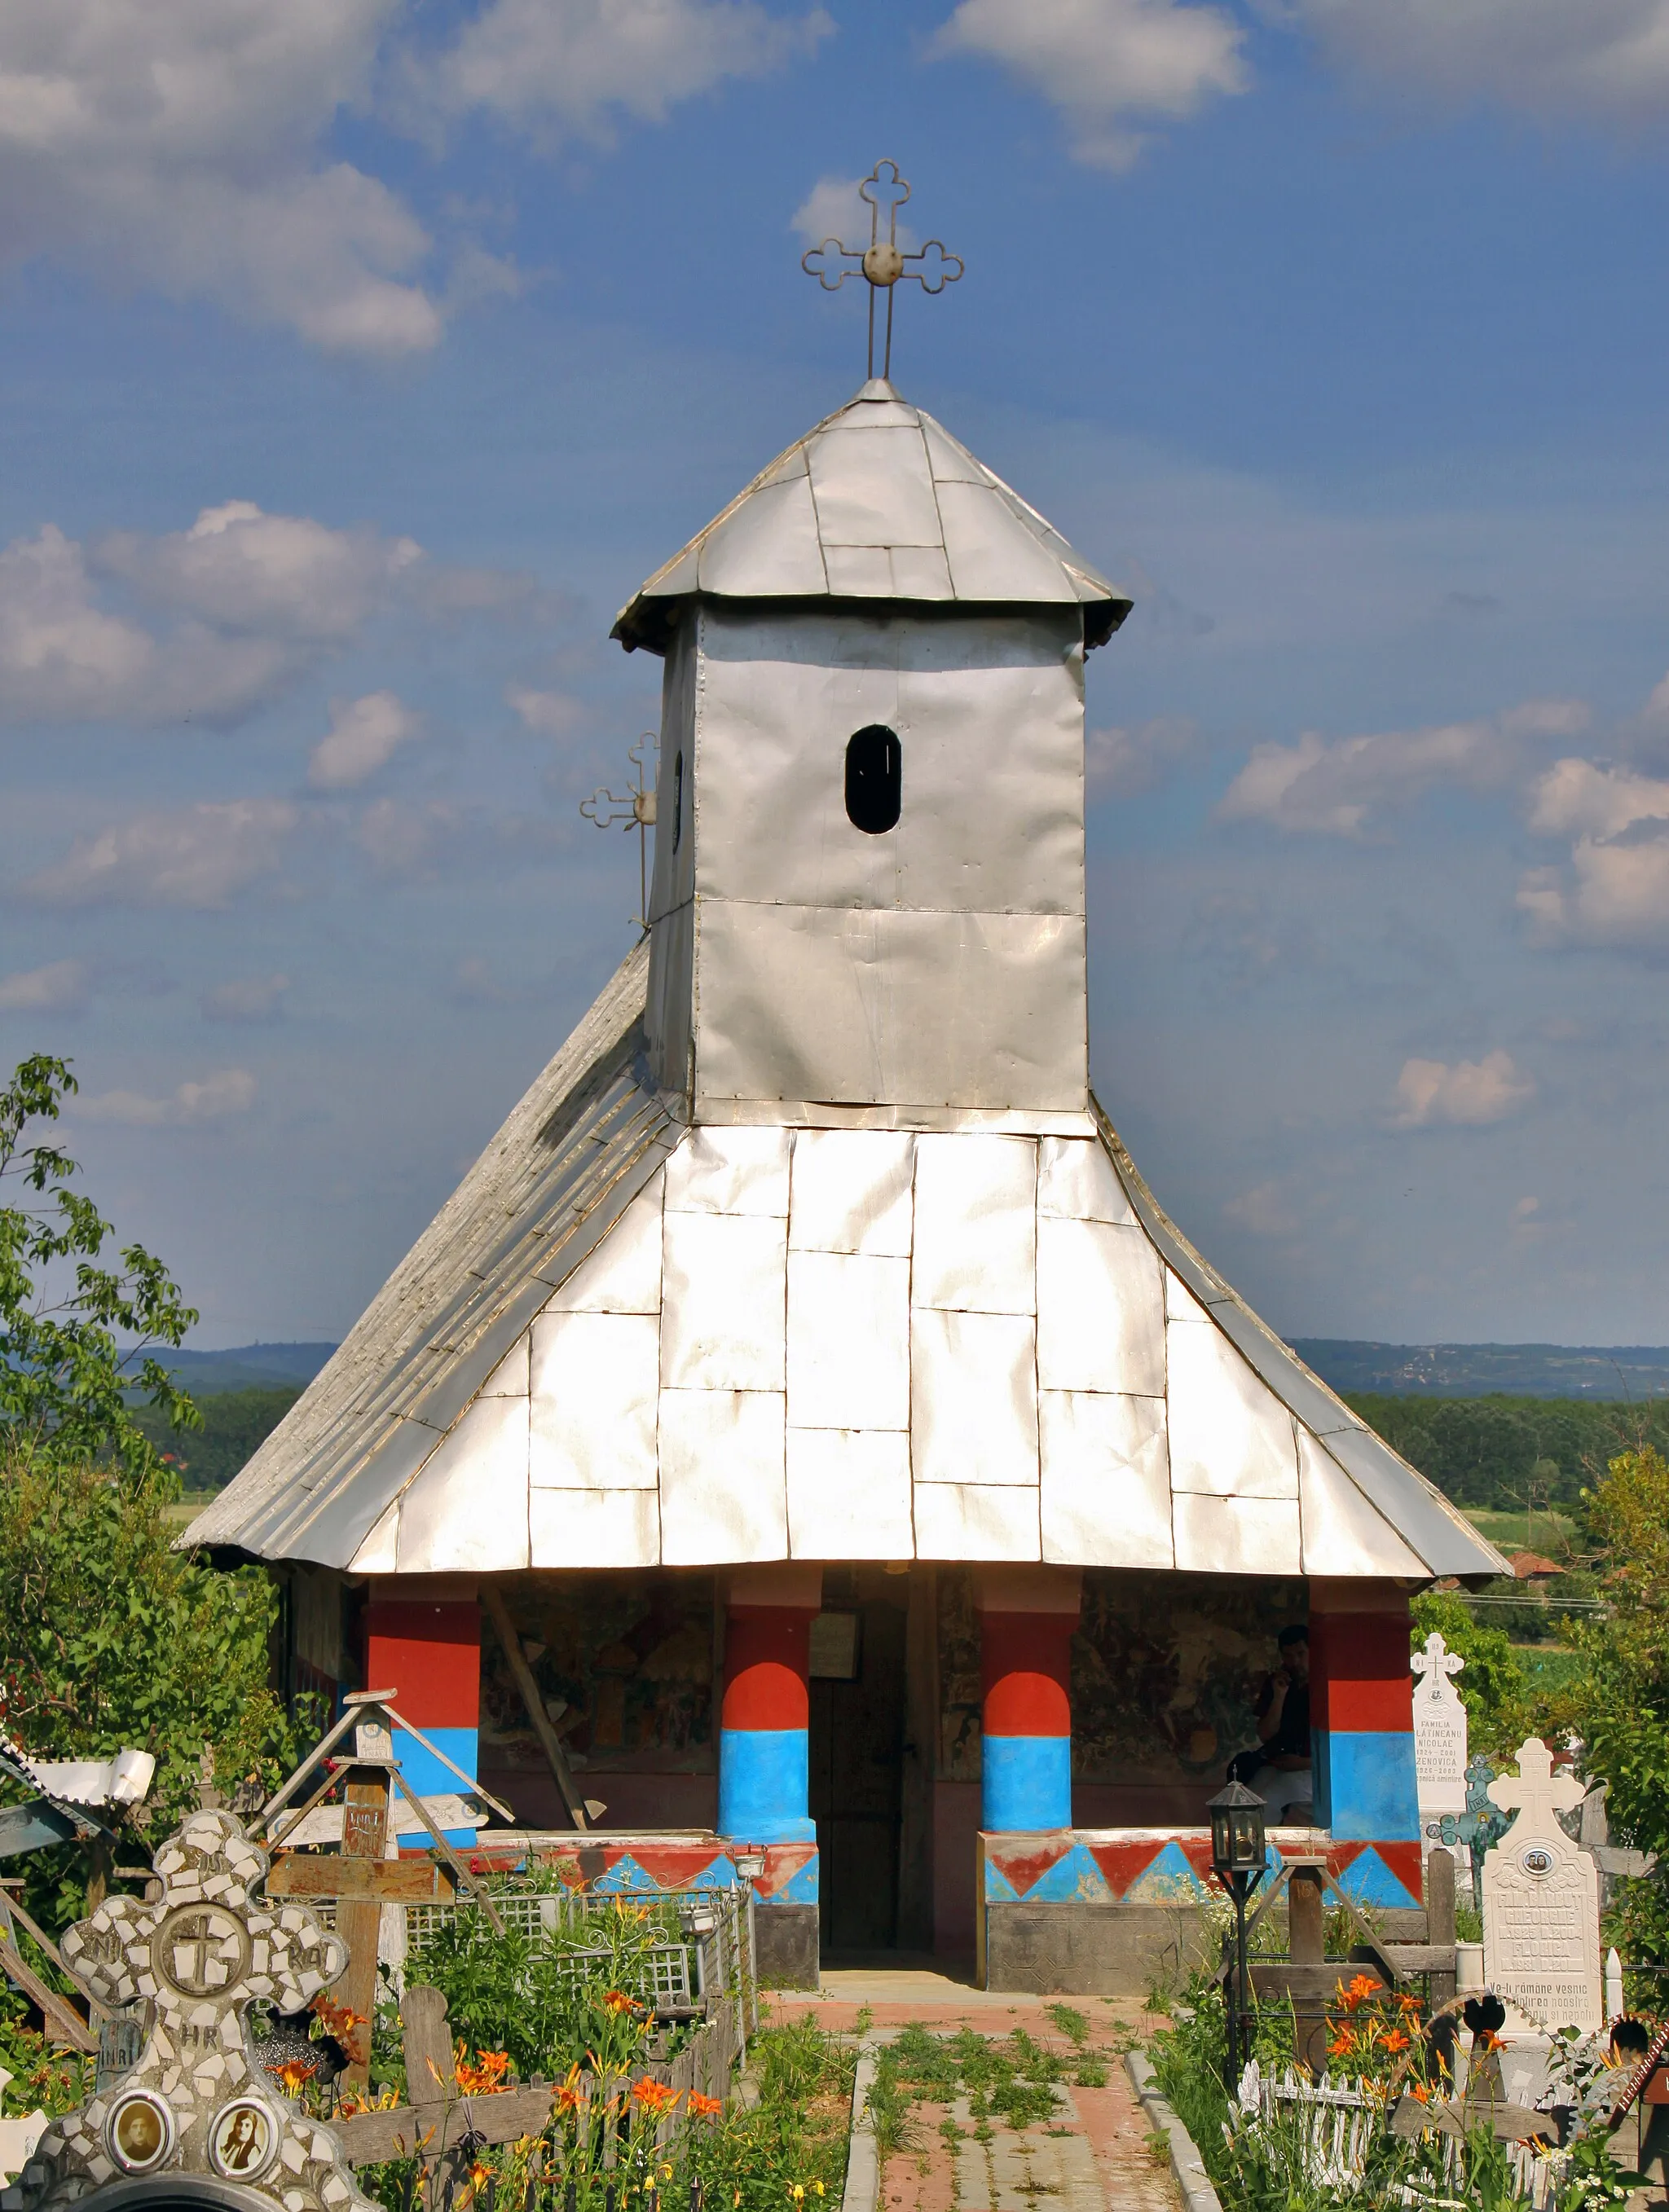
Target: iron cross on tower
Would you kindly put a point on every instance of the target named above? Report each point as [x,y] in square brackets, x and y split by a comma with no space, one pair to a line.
[634,809]
[881,261]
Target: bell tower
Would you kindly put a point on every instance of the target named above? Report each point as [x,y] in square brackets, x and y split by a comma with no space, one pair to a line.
[867,903]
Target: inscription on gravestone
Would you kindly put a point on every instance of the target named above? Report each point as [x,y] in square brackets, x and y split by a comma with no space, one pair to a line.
[1440,1734]
[1541,1902]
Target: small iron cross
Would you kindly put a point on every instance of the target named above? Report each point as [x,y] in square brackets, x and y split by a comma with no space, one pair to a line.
[881,263]
[609,810]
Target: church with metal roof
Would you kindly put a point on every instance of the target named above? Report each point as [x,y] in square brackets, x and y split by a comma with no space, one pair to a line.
[868,1490]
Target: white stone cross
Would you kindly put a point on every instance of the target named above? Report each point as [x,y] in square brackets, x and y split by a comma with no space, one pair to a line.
[1440,1735]
[197,2100]
[1541,1903]
[1535,1792]
[1434,1664]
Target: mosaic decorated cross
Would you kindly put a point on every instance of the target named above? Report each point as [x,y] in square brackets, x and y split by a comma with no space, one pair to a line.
[196,2102]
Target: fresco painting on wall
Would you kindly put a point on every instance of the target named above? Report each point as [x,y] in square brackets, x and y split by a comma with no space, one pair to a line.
[626,1666]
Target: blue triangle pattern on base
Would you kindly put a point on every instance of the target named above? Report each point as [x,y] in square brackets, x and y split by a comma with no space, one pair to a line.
[626,1875]
[1075,1879]
[999,1890]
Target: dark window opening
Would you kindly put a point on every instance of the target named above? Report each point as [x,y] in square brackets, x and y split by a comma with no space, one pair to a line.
[875,780]
[678,800]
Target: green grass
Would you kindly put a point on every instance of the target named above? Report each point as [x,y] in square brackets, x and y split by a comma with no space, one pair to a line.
[1550,1534]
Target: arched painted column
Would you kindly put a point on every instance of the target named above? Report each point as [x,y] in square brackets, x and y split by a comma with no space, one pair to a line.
[1027,1615]
[423,1640]
[763,1754]
[1361,1728]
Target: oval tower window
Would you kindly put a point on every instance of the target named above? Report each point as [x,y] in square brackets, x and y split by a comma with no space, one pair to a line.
[875,780]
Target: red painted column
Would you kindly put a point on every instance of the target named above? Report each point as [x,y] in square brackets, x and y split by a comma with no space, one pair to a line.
[423,1640]
[1361,1724]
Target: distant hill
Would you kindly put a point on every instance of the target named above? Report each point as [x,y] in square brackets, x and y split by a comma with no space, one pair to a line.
[249,1367]
[1631,1371]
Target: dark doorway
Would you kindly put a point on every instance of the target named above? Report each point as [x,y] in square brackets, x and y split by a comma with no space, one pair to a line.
[857,1735]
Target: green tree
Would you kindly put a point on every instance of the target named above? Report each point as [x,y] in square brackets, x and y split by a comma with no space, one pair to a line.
[65,1383]
[109,1636]
[1491,1685]
[1622,1704]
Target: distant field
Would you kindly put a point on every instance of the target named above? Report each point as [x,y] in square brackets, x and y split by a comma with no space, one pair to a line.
[1547,1532]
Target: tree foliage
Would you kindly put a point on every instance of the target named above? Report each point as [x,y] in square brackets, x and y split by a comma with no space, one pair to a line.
[1484,1452]
[1622,1700]
[1491,1685]
[65,1382]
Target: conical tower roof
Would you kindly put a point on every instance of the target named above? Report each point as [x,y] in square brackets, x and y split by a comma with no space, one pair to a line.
[879,502]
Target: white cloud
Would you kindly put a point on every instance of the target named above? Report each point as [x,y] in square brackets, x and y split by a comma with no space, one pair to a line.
[546,713]
[257,599]
[1472,1093]
[1108,65]
[567,66]
[227,1090]
[1581,798]
[1599,58]
[1263,1210]
[364,734]
[198,856]
[60,987]
[1127,761]
[245,999]
[1615,888]
[400,840]
[177,145]
[1332,789]
[836,208]
[277,575]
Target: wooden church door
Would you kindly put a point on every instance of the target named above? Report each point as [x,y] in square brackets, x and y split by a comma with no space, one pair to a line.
[857,1723]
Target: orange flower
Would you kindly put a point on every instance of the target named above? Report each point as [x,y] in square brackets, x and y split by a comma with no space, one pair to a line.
[1407,2002]
[703,2108]
[484,2076]
[1420,2092]
[618,2002]
[653,2096]
[568,2096]
[338,2019]
[1395,2040]
[1341,2045]
[292,2074]
[1363,1987]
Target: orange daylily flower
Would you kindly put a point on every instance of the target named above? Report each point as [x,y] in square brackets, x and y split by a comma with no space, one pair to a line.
[483,2077]
[653,2096]
[1341,2045]
[292,2074]
[618,2002]
[703,2108]
[568,2096]
[1395,2040]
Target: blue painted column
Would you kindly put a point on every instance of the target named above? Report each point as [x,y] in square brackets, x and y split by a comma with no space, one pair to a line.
[1361,1728]
[1027,1615]
[764,1766]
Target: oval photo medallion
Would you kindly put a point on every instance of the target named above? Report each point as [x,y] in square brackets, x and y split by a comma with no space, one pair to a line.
[1536,1862]
[139,2132]
[243,2139]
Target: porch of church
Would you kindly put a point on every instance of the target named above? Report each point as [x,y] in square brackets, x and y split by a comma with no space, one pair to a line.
[1005,1764]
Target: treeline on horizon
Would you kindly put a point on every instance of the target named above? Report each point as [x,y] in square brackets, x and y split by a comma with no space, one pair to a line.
[1481,1452]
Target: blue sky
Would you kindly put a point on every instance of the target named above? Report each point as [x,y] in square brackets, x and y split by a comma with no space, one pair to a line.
[357,359]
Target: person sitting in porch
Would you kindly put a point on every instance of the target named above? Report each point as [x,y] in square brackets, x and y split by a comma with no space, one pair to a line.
[1278,1765]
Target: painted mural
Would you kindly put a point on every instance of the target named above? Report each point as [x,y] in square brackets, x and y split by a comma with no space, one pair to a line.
[1165,1672]
[625,1665]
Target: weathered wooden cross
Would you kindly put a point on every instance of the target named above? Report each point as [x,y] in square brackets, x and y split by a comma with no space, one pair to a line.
[360,1877]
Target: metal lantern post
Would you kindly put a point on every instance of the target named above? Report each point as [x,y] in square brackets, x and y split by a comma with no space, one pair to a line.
[1237,1861]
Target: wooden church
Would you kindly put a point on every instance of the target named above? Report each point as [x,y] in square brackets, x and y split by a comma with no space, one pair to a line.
[890,1507]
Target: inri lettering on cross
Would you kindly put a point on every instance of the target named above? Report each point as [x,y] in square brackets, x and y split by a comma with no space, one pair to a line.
[882,263]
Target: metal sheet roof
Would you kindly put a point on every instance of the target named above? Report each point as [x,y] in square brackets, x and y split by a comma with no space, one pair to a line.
[626,1342]
[879,502]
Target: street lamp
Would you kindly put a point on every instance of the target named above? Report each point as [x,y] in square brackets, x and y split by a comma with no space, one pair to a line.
[1238,1863]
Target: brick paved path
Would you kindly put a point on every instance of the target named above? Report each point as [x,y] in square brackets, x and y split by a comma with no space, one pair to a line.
[1093,2156]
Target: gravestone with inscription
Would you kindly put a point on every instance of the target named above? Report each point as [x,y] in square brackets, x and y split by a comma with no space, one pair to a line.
[1440,1735]
[196,2103]
[1541,1902]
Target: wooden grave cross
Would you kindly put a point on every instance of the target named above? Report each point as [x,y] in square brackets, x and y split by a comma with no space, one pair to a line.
[360,1877]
